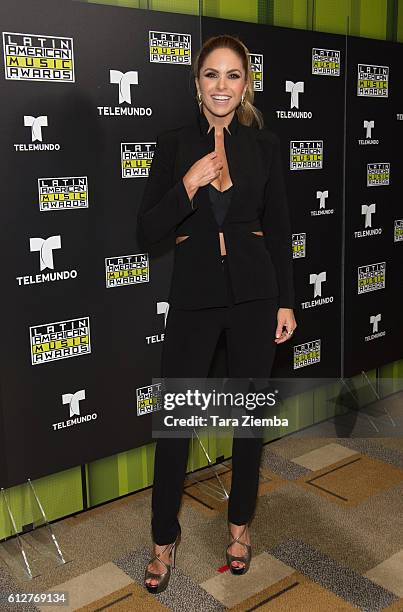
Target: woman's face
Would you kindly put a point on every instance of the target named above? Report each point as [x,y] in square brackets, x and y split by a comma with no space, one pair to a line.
[221,81]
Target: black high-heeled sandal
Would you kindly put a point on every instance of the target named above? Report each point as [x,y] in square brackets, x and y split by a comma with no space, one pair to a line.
[163,579]
[245,559]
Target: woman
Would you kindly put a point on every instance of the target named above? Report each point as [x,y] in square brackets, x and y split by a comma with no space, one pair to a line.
[217,185]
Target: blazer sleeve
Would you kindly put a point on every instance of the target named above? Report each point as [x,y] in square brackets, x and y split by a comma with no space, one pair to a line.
[277,228]
[164,203]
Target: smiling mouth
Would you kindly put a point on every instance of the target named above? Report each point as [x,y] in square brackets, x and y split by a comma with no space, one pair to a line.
[219,98]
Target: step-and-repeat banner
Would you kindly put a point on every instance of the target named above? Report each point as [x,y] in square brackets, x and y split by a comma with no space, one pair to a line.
[84,93]
[374,220]
[85,90]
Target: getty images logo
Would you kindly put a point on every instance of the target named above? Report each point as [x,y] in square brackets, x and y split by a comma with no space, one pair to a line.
[316,280]
[162,309]
[294,89]
[73,401]
[368,127]
[36,125]
[367,210]
[45,247]
[124,81]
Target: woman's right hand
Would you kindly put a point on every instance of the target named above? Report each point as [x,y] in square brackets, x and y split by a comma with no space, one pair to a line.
[202,172]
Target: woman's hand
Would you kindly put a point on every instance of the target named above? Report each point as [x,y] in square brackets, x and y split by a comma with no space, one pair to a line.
[205,170]
[285,318]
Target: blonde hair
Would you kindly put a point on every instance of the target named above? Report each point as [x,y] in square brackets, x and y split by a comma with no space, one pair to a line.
[247,113]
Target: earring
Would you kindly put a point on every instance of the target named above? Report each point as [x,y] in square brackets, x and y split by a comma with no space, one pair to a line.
[199,100]
[243,100]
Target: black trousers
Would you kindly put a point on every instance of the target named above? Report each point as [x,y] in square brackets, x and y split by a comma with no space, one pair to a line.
[190,340]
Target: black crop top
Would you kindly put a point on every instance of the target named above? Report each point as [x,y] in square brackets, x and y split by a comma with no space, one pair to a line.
[220,201]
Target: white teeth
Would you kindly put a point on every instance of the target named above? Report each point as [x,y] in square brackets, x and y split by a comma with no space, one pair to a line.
[221,97]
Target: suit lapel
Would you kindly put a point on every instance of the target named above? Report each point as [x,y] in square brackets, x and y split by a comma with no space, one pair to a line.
[201,145]
[206,144]
[234,159]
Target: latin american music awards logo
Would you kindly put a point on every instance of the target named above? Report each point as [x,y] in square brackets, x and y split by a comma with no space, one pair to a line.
[63,193]
[378,174]
[33,57]
[148,399]
[371,277]
[127,270]
[256,64]
[170,47]
[306,354]
[60,340]
[326,62]
[306,154]
[373,81]
[299,245]
[398,230]
[136,158]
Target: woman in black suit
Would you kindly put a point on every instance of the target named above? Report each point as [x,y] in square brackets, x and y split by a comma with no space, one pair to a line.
[217,185]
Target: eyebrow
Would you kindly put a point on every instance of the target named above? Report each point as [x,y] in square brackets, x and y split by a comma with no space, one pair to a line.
[214,70]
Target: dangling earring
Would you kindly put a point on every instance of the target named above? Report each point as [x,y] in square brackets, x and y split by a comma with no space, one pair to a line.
[199,101]
[243,99]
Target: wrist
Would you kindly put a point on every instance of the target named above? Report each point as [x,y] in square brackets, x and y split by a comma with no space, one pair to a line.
[190,187]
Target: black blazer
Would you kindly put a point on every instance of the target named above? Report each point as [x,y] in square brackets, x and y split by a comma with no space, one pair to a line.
[259,267]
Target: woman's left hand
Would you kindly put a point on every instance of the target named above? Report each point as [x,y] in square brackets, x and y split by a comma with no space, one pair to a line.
[285,318]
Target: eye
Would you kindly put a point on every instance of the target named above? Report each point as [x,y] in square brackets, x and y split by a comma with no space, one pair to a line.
[233,75]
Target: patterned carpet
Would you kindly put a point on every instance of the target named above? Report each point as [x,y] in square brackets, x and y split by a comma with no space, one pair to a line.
[327,535]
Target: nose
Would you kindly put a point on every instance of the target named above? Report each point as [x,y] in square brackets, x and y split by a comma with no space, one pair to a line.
[221,83]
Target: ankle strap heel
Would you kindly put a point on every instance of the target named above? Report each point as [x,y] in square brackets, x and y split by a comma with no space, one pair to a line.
[162,579]
[245,559]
